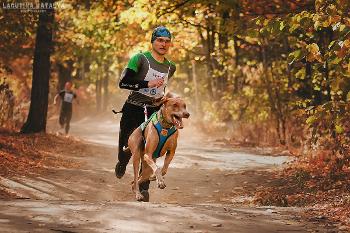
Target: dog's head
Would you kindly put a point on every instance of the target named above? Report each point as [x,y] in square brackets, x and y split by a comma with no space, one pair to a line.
[174,109]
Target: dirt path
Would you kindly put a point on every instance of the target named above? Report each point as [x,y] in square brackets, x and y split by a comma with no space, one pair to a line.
[208,190]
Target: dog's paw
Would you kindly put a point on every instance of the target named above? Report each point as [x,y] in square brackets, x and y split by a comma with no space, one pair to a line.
[161,183]
[160,179]
[152,178]
[139,196]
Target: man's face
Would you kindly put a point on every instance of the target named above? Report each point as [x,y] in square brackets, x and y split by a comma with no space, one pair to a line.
[68,86]
[161,45]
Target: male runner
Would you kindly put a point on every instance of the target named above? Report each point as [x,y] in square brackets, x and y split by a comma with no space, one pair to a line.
[147,75]
[67,96]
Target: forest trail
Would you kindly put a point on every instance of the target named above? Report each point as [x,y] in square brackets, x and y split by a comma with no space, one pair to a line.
[209,188]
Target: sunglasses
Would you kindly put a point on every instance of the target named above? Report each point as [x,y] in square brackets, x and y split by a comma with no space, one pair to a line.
[161,40]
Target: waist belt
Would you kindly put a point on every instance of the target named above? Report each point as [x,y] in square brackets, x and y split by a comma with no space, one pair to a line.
[140,104]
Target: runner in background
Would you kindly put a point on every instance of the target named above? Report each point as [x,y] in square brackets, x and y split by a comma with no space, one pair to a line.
[67,96]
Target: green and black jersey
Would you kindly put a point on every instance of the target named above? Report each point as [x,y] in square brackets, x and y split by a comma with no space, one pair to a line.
[142,68]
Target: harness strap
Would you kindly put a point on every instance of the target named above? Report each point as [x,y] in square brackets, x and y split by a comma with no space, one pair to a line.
[163,134]
[144,125]
[149,64]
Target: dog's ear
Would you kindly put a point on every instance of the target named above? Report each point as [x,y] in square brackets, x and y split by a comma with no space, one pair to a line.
[161,100]
[164,99]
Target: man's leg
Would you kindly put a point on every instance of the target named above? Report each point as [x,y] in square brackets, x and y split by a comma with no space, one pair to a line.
[144,186]
[123,157]
[61,119]
[132,117]
[68,118]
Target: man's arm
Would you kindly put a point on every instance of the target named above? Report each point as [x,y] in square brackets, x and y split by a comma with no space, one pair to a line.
[76,97]
[59,94]
[129,81]
[55,99]
[128,78]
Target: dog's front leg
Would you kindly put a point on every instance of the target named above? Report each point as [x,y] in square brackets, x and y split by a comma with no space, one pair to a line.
[169,156]
[146,172]
[170,153]
[156,170]
[136,165]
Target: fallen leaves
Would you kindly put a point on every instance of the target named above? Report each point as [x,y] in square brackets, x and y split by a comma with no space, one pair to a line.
[312,182]
[25,154]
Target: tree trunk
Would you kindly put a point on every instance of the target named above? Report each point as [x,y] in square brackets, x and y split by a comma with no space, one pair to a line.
[98,94]
[211,81]
[195,83]
[212,60]
[105,89]
[36,121]
[188,69]
[237,54]
[223,45]
[207,58]
[87,4]
[64,74]
[273,97]
[326,39]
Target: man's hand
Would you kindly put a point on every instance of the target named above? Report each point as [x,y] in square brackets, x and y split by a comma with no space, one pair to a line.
[156,82]
[55,99]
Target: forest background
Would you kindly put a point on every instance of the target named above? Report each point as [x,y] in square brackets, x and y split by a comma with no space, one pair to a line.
[262,73]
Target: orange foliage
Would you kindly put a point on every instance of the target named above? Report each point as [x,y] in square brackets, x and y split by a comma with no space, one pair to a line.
[25,154]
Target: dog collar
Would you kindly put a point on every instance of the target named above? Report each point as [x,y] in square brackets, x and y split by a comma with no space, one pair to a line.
[163,121]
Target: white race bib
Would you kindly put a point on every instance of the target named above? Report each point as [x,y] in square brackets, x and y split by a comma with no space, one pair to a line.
[68,97]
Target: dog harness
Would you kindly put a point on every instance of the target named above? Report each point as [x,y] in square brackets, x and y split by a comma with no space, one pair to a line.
[163,133]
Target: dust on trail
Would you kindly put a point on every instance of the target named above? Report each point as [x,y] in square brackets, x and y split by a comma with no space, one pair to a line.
[208,190]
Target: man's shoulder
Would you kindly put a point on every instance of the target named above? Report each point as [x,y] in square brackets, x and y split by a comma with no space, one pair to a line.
[136,55]
[140,55]
[69,92]
[172,65]
[135,61]
[170,62]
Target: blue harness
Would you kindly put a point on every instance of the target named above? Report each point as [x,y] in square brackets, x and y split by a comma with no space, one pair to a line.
[163,133]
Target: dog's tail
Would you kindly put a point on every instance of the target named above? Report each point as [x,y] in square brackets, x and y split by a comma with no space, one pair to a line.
[126,149]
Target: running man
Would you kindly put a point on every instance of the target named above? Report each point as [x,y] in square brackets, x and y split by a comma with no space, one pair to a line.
[67,96]
[146,75]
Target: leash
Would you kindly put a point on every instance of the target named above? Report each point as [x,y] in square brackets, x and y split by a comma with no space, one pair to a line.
[116,112]
[145,112]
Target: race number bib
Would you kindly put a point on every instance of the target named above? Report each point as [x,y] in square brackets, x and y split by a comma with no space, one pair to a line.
[68,97]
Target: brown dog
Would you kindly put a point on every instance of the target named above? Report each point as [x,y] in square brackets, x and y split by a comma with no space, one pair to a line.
[155,138]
